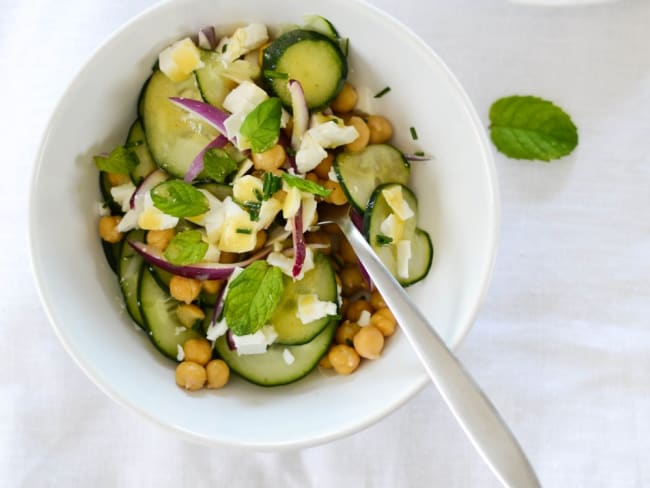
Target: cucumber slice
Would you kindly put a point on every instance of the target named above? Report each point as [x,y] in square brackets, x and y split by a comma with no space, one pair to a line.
[213,86]
[174,137]
[105,188]
[320,281]
[320,24]
[310,57]
[219,190]
[270,368]
[159,313]
[129,273]
[360,173]
[161,276]
[421,248]
[112,253]
[137,142]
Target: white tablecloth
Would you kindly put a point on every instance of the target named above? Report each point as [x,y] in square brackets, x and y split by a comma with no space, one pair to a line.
[562,342]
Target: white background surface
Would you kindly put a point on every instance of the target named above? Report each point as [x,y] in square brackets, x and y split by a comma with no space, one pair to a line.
[562,342]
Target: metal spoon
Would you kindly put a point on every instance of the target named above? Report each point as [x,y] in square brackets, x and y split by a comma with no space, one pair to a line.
[473,410]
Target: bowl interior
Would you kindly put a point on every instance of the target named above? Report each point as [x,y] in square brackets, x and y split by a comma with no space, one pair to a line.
[458,206]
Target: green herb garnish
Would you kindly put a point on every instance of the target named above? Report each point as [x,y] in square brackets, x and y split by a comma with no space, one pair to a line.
[275,75]
[526,127]
[271,184]
[179,199]
[241,230]
[218,165]
[383,240]
[382,92]
[305,185]
[419,153]
[121,160]
[253,208]
[414,133]
[224,48]
[262,126]
[186,247]
[252,297]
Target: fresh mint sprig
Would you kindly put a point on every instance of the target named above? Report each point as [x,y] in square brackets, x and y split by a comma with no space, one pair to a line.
[186,247]
[218,165]
[527,127]
[305,185]
[262,126]
[121,160]
[179,199]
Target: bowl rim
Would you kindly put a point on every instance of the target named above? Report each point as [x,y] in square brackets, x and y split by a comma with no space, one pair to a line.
[196,437]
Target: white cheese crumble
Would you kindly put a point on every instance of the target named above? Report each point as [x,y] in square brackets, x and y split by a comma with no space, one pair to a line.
[255,343]
[180,353]
[403,258]
[122,195]
[396,202]
[288,357]
[179,60]
[364,318]
[285,263]
[310,308]
[365,99]
[325,135]
[243,40]
[153,219]
[178,331]
[392,227]
[102,209]
[216,330]
[331,174]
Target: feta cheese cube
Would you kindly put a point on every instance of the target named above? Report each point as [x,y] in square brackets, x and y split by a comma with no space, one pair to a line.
[179,60]
[403,257]
[244,40]
[288,357]
[122,195]
[216,330]
[255,343]
[396,202]
[393,227]
[153,219]
[364,318]
[180,353]
[244,98]
[310,308]
[330,134]
[310,154]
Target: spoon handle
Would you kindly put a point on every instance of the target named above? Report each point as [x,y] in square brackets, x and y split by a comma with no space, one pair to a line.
[473,410]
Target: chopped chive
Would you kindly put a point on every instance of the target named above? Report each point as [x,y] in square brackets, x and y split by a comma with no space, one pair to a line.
[419,153]
[224,47]
[383,240]
[383,92]
[253,209]
[269,73]
[258,194]
[243,231]
[414,133]
[270,185]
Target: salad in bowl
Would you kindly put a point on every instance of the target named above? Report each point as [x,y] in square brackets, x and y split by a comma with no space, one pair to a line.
[210,208]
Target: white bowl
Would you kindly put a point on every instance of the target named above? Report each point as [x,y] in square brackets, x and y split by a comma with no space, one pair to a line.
[458,201]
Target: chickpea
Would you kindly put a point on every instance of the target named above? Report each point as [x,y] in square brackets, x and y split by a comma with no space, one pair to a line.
[218,373]
[260,240]
[271,159]
[337,196]
[376,300]
[116,179]
[188,314]
[323,168]
[228,257]
[364,135]
[184,289]
[355,309]
[190,375]
[198,351]
[345,303]
[325,362]
[346,99]
[346,252]
[352,279]
[383,320]
[212,286]
[344,359]
[311,176]
[108,228]
[369,342]
[380,129]
[345,332]
[319,237]
[159,239]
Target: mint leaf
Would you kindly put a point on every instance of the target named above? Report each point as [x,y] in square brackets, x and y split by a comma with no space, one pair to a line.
[186,247]
[179,199]
[526,127]
[262,126]
[121,160]
[218,165]
[305,185]
[270,185]
[252,298]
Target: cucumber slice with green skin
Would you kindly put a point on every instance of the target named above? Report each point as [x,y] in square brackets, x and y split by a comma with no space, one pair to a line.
[159,313]
[321,24]
[129,273]
[137,142]
[421,248]
[360,173]
[174,137]
[105,188]
[219,190]
[112,253]
[213,86]
[310,57]
[320,281]
[270,368]
[161,276]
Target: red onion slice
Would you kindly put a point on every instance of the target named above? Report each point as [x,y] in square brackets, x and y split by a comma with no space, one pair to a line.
[197,163]
[212,115]
[299,246]
[300,113]
[200,271]
[155,177]
[207,38]
[230,341]
[218,306]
